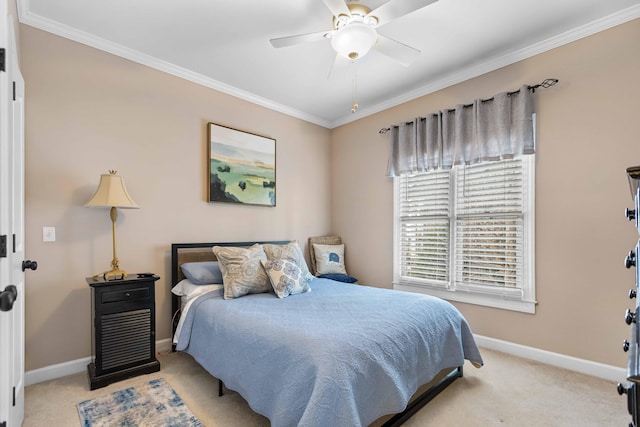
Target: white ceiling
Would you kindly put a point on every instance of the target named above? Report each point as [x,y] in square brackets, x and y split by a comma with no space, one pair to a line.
[224,44]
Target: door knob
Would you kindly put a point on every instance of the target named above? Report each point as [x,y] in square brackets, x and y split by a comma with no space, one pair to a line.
[621,389]
[8,297]
[29,264]
[630,260]
[630,214]
[629,317]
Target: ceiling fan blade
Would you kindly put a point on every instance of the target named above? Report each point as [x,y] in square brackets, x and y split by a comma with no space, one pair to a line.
[395,50]
[394,9]
[299,39]
[337,7]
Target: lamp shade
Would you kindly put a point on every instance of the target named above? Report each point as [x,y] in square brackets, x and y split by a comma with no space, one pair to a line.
[354,40]
[112,192]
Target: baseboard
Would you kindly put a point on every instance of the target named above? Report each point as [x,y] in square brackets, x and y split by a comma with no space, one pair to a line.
[595,369]
[73,367]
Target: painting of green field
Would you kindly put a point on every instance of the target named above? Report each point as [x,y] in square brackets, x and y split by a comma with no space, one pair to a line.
[241,167]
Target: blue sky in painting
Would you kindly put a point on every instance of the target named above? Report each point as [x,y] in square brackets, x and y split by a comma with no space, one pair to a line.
[229,151]
[234,144]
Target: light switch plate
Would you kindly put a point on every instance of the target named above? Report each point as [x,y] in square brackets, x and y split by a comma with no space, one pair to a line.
[48,234]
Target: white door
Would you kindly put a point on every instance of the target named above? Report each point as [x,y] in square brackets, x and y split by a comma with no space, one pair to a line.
[11,229]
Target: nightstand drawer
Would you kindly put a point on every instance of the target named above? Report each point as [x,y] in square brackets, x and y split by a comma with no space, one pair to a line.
[135,294]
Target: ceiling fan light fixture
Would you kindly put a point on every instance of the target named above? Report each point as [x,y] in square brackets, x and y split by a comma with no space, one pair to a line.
[341,20]
[354,40]
[370,20]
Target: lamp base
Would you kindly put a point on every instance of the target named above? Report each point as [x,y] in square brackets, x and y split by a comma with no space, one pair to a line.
[115,274]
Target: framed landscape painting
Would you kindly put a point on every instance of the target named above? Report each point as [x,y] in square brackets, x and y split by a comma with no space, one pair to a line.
[242,167]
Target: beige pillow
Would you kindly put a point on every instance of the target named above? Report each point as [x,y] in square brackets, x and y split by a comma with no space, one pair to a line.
[242,272]
[329,259]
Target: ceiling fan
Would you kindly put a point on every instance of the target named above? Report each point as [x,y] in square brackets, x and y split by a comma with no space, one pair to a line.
[355,32]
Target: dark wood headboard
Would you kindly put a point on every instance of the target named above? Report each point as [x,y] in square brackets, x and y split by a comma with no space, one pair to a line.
[196,252]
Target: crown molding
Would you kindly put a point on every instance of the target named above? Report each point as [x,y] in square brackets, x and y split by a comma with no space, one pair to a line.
[37,21]
[492,64]
[497,62]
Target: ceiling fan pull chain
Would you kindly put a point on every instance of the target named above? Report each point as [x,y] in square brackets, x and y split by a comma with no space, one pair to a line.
[355,105]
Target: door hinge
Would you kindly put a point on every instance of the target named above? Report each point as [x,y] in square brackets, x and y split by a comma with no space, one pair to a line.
[14,396]
[14,91]
[3,246]
[14,243]
[2,59]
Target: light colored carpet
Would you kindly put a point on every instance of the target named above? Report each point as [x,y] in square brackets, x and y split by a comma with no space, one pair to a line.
[507,391]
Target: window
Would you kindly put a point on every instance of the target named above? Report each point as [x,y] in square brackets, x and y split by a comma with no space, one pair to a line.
[468,234]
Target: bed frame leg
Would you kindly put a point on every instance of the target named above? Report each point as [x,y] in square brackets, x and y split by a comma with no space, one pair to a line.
[220,385]
[424,398]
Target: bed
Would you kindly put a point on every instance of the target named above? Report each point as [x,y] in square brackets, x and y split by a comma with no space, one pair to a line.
[339,355]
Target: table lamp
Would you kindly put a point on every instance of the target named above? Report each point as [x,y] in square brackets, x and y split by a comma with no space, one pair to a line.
[112,193]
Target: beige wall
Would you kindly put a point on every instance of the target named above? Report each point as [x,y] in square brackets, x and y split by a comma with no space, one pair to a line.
[87,112]
[588,133]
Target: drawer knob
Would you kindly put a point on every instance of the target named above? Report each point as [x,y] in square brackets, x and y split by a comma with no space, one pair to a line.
[622,389]
[630,214]
[127,294]
[630,260]
[632,293]
[629,317]
[625,346]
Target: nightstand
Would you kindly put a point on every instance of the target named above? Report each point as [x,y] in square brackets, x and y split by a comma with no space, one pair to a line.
[123,336]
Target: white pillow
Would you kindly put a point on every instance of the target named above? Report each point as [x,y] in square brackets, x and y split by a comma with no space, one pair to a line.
[329,259]
[188,290]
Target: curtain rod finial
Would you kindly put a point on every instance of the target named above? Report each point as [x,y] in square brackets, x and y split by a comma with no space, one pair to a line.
[548,83]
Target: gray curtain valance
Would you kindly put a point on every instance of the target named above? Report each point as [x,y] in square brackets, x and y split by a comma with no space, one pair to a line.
[499,128]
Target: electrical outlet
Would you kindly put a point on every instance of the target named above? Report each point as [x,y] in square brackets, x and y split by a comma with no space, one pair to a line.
[48,234]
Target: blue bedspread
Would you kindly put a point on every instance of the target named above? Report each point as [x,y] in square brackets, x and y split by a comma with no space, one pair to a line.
[341,355]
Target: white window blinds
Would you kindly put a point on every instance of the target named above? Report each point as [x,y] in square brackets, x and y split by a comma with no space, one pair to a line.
[489,227]
[425,228]
[469,231]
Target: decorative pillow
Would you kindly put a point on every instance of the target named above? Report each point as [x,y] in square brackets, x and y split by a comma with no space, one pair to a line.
[286,277]
[291,252]
[339,277]
[329,259]
[242,272]
[202,273]
[321,240]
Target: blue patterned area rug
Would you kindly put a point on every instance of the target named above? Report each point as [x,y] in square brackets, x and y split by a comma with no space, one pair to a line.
[151,404]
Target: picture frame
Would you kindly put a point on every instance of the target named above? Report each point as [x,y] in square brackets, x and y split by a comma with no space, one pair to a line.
[242,167]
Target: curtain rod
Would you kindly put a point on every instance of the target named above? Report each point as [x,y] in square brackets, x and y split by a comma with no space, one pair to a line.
[546,83]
